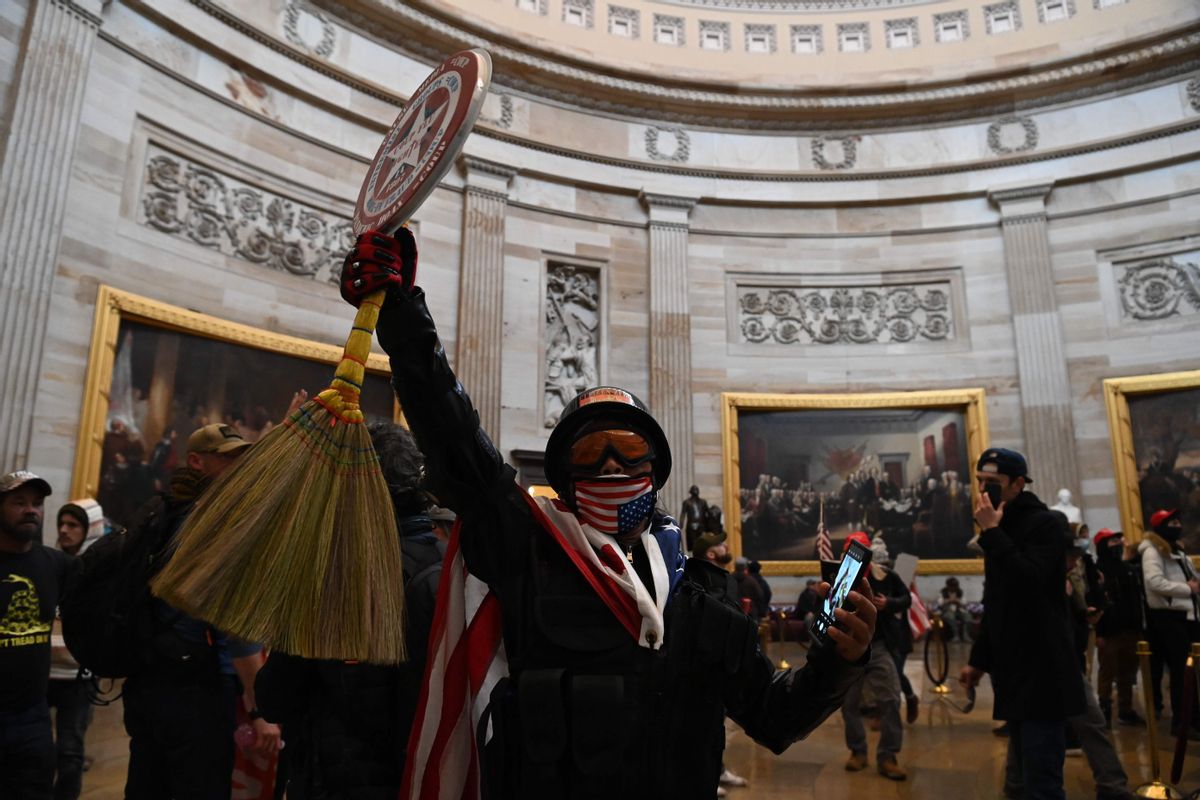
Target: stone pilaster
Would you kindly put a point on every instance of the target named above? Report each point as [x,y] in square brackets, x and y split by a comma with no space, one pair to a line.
[54,64]
[1041,353]
[481,287]
[671,336]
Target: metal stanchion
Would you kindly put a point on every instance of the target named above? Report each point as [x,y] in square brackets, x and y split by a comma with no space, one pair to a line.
[1189,696]
[1155,789]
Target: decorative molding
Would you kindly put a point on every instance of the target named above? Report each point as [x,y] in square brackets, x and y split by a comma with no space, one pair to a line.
[951,16]
[505,120]
[854,29]
[986,95]
[541,7]
[195,202]
[631,15]
[751,30]
[990,12]
[667,201]
[572,338]
[1041,10]
[1159,288]
[995,135]
[586,7]
[293,14]
[673,22]
[488,167]
[908,23]
[857,315]
[1034,191]
[712,26]
[849,145]
[1193,93]
[797,6]
[1099,4]
[683,144]
[808,30]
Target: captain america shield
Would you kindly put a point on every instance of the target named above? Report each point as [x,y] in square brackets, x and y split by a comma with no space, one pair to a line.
[423,141]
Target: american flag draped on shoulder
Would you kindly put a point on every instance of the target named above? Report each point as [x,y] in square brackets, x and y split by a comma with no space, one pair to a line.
[466,650]
[918,614]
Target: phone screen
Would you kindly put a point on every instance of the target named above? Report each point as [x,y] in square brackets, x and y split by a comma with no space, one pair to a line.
[848,575]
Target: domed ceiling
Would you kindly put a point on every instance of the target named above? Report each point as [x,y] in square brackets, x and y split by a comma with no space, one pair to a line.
[794,64]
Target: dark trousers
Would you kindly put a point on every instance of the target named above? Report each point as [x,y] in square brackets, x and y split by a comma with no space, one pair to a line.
[26,754]
[906,688]
[1118,664]
[1171,635]
[1039,748]
[180,737]
[72,715]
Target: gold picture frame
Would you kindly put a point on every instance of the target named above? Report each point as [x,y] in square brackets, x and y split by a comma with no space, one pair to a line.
[1117,392]
[113,307]
[971,402]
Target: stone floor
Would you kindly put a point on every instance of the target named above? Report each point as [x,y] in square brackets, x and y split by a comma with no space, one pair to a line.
[947,754]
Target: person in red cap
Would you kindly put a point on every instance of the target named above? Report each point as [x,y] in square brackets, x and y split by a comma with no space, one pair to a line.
[32,579]
[606,660]
[891,597]
[1172,587]
[1119,628]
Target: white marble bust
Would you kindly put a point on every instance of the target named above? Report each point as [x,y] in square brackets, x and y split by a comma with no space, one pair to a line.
[1064,504]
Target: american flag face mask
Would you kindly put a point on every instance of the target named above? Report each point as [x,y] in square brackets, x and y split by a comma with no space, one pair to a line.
[617,505]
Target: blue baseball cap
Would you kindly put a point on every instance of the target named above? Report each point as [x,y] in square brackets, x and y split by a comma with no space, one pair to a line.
[1004,462]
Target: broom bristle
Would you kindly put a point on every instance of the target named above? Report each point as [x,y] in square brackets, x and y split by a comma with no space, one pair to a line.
[296,546]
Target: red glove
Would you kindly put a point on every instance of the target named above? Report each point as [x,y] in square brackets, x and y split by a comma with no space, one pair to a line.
[378,261]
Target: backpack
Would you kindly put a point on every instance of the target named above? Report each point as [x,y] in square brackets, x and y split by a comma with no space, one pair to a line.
[106,611]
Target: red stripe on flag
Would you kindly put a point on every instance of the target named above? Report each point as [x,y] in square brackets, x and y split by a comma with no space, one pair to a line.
[483,637]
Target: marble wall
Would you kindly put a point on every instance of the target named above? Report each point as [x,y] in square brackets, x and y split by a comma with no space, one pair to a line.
[294,121]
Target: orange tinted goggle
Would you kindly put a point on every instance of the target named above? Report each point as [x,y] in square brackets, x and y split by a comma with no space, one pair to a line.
[627,447]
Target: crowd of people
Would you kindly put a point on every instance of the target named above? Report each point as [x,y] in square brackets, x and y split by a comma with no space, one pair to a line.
[620,649]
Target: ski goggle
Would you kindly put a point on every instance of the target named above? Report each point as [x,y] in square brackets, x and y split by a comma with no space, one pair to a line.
[593,449]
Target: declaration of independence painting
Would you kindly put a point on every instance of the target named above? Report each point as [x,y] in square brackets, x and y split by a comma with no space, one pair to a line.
[900,473]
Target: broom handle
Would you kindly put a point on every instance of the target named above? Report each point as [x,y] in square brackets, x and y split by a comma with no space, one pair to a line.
[344,391]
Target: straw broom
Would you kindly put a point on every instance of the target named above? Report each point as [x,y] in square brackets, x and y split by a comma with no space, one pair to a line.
[295,545]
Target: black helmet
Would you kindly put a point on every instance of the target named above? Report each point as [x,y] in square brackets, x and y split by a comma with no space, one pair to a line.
[602,403]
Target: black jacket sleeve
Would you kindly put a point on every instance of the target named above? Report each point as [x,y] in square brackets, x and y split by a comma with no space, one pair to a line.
[283,687]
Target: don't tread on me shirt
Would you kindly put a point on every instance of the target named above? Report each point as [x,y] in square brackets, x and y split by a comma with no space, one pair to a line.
[30,587]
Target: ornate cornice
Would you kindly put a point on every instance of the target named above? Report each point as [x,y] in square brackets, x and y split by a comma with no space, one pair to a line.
[795,6]
[597,87]
[494,168]
[1034,191]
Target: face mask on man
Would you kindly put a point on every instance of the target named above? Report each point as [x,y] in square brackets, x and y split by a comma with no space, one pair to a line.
[615,504]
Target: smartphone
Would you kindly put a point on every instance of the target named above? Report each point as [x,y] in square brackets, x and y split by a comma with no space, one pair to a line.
[850,572]
[993,490]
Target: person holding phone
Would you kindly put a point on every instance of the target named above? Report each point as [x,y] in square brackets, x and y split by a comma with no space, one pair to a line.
[620,658]
[1025,640]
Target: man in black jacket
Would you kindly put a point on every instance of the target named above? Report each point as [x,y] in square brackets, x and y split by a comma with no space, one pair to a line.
[1025,640]
[621,661]
[1118,631]
[891,598]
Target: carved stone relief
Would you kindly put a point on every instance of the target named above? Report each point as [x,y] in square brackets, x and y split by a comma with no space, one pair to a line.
[308,28]
[854,32]
[995,14]
[807,39]
[1193,93]
[802,315]
[950,18]
[194,202]
[663,22]
[1043,7]
[583,8]
[908,25]
[835,152]
[1160,288]
[1012,135]
[572,335]
[711,27]
[752,33]
[668,144]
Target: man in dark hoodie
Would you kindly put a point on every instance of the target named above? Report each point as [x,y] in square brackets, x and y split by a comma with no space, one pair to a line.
[1025,612]
[1118,631]
[346,724]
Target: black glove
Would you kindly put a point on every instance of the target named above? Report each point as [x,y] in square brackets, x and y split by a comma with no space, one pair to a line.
[378,261]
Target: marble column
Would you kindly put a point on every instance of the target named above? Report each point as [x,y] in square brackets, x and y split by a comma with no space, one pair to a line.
[670,397]
[481,287]
[54,62]
[1041,347]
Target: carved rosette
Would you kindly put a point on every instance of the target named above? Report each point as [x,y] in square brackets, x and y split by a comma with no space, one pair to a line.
[1158,289]
[845,315]
[309,28]
[220,212]
[572,336]
[1193,93]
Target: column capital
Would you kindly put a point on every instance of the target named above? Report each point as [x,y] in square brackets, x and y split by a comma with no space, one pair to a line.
[488,176]
[667,209]
[88,10]
[1021,199]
